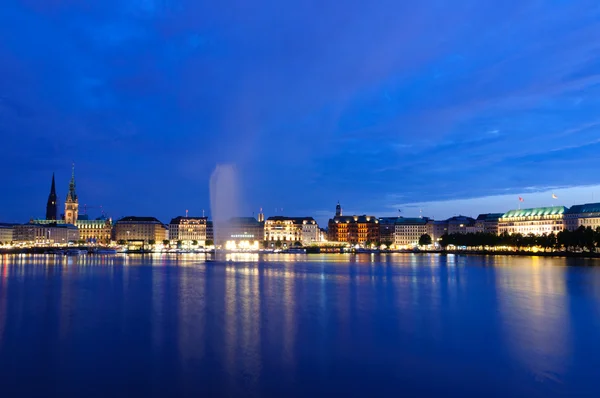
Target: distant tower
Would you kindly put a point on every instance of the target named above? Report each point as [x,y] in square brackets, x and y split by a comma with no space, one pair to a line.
[338,210]
[51,211]
[261,216]
[71,204]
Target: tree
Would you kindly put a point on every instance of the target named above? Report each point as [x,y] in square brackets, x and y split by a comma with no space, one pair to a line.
[209,242]
[179,243]
[388,243]
[425,240]
[297,244]
[445,241]
[265,244]
[194,243]
[368,243]
[278,243]
[166,242]
[151,241]
[121,242]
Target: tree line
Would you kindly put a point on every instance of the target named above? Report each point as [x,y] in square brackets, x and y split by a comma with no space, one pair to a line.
[581,239]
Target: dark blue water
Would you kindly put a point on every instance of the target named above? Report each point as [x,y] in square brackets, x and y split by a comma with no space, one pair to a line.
[397,325]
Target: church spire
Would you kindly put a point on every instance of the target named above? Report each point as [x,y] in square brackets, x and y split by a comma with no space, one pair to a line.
[51,211]
[72,195]
[72,204]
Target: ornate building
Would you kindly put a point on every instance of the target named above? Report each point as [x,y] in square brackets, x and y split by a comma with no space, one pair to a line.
[537,221]
[140,230]
[408,231]
[51,211]
[353,229]
[72,203]
[586,215]
[94,231]
[290,230]
[50,233]
[188,229]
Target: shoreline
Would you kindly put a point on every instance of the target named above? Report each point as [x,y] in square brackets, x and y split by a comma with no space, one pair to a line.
[520,253]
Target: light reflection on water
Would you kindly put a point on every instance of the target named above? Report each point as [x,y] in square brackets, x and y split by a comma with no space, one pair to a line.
[298,325]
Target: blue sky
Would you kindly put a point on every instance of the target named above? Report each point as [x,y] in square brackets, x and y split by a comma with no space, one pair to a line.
[455,107]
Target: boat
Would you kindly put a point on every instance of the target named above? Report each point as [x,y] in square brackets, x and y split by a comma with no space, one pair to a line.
[294,250]
[76,252]
[105,250]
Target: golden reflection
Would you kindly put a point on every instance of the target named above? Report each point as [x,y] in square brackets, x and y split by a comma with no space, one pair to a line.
[191,318]
[230,321]
[289,315]
[534,307]
[158,307]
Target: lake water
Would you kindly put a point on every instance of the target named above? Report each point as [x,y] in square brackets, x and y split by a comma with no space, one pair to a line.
[299,325]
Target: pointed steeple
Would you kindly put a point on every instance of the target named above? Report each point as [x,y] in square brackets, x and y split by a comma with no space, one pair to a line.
[51,211]
[72,195]
[72,204]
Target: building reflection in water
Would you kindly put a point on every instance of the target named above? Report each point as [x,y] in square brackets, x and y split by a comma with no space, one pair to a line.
[534,309]
[242,324]
[3,296]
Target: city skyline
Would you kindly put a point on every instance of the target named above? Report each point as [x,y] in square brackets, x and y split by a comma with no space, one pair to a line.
[554,197]
[382,107]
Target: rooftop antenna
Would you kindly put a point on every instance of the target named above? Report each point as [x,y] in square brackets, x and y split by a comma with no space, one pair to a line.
[186,213]
[202,213]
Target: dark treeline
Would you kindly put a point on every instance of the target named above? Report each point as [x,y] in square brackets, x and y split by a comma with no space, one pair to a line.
[582,239]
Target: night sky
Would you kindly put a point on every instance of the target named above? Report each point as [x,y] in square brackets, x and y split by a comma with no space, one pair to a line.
[450,106]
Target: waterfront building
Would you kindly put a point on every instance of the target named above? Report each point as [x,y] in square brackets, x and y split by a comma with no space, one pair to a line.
[454,225]
[387,229]
[311,234]
[487,223]
[353,229]
[290,230]
[139,230]
[6,233]
[72,202]
[51,205]
[241,233]
[409,230]
[586,215]
[94,231]
[188,229]
[47,234]
[537,221]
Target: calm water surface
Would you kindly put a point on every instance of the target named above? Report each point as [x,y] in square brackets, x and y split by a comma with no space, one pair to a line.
[316,325]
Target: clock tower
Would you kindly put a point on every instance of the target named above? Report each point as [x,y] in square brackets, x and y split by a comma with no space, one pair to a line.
[71,204]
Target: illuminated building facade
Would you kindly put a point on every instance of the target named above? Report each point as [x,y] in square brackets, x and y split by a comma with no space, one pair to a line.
[537,221]
[188,229]
[6,233]
[140,229]
[586,215]
[245,233]
[354,229]
[409,230]
[51,233]
[94,231]
[290,230]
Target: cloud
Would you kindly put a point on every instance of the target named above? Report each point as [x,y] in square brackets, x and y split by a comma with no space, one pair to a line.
[361,103]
